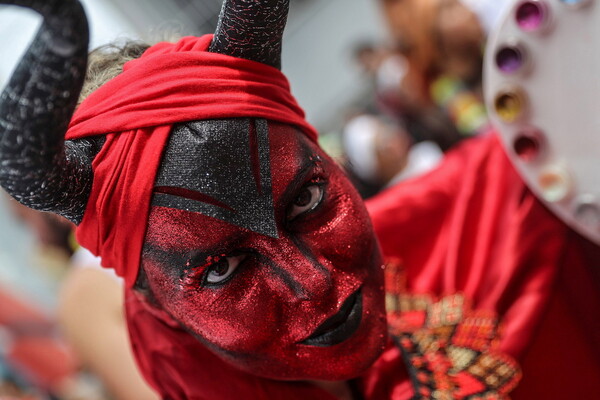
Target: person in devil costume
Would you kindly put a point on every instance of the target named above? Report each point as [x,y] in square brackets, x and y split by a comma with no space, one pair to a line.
[251,266]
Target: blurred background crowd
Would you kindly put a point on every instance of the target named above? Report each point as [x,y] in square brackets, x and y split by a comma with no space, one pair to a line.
[390,84]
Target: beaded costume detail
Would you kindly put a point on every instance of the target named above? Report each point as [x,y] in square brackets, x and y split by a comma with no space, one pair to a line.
[451,350]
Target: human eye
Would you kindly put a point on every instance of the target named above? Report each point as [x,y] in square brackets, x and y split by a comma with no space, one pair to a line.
[214,270]
[221,270]
[308,199]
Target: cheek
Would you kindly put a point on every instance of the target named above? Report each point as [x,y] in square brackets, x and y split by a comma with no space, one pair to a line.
[346,237]
[226,317]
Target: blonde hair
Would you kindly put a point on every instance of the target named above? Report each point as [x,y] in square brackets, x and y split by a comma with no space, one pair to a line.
[106,62]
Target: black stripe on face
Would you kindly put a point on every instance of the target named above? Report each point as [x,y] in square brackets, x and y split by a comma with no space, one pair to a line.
[223,170]
[191,195]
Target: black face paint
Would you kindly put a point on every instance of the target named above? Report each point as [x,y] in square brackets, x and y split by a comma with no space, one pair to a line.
[220,168]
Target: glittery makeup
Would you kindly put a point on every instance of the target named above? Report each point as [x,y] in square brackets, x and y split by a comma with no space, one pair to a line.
[529,144]
[223,167]
[510,104]
[307,304]
[531,15]
[510,59]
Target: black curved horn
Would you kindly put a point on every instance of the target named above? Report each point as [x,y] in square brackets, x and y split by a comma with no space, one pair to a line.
[36,166]
[252,29]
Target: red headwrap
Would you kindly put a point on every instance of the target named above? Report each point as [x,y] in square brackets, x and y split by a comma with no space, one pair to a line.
[170,83]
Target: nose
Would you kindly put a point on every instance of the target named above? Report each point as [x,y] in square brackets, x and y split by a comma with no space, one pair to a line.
[295,267]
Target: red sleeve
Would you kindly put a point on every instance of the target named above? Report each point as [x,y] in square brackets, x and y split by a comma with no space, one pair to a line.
[472,227]
[414,211]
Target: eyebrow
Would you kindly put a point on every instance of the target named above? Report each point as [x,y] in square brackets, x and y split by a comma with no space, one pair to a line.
[308,166]
[177,259]
[173,259]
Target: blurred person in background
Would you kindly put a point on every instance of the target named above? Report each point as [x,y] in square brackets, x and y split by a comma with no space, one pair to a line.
[35,357]
[53,239]
[92,319]
[397,94]
[443,42]
[380,153]
[90,312]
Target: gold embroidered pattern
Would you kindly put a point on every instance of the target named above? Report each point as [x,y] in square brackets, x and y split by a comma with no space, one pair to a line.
[452,351]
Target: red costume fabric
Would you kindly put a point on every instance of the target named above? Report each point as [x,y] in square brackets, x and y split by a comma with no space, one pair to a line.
[170,83]
[471,228]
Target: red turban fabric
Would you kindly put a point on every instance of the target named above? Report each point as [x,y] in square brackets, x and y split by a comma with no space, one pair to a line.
[170,83]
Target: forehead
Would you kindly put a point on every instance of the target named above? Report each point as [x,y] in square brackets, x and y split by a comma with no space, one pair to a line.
[227,169]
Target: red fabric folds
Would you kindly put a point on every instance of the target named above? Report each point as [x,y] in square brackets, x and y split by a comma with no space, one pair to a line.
[170,83]
[473,227]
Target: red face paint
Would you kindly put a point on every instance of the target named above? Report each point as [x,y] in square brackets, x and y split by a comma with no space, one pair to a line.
[325,265]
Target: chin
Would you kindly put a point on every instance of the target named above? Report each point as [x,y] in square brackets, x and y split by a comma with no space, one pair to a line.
[355,339]
[352,362]
[351,358]
[344,360]
[337,363]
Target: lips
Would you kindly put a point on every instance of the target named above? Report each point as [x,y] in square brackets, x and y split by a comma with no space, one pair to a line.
[340,326]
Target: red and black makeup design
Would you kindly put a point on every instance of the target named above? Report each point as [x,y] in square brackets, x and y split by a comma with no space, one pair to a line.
[225,179]
[259,246]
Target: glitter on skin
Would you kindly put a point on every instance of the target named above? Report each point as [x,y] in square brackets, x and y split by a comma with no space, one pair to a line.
[233,175]
[285,287]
